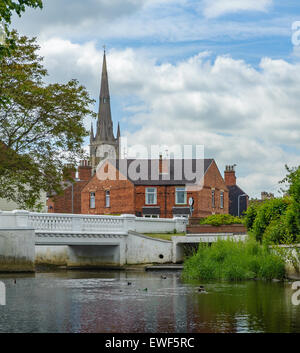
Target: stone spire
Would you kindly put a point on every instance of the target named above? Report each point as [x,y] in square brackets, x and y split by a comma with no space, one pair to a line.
[104,123]
[118,132]
[92,132]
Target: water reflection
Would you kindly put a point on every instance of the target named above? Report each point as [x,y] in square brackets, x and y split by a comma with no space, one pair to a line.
[105,302]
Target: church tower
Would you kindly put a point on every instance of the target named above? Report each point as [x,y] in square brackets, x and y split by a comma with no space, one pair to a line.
[103,144]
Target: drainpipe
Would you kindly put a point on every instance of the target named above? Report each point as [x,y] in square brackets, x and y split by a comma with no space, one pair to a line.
[165,201]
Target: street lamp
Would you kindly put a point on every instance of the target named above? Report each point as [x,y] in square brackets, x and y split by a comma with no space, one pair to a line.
[239,203]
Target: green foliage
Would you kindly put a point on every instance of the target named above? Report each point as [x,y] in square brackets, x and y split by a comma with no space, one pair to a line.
[7,9]
[272,221]
[234,260]
[41,126]
[219,219]
[269,211]
[251,214]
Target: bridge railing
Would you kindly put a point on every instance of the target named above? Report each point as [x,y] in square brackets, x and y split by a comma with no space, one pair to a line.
[78,223]
[58,222]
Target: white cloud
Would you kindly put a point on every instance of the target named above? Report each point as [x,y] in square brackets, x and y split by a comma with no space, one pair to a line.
[159,20]
[216,8]
[241,114]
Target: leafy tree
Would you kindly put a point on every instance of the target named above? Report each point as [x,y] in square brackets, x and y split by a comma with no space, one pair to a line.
[41,126]
[7,8]
[251,213]
[269,211]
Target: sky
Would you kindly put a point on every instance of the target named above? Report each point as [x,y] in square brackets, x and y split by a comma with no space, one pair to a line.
[224,74]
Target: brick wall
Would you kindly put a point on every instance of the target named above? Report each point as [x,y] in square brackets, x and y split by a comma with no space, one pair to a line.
[207,228]
[63,203]
[121,197]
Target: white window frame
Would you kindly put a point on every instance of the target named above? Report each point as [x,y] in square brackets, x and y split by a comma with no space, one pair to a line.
[222,199]
[92,200]
[185,196]
[147,193]
[151,216]
[107,198]
[181,216]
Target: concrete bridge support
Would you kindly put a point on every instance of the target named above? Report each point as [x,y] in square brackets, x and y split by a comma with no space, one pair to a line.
[94,256]
[17,241]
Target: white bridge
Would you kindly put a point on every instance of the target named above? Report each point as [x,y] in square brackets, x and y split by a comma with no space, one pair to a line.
[86,240]
[91,240]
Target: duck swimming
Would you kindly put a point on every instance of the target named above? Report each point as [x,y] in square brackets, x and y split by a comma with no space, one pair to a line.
[201,289]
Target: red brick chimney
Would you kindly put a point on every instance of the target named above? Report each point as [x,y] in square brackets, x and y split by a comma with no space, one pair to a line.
[229,175]
[163,165]
[84,170]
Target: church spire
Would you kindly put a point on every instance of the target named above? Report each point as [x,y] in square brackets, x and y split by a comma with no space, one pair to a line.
[104,124]
[118,132]
[92,132]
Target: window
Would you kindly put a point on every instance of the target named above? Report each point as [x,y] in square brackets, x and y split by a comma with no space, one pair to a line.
[180,196]
[107,198]
[151,196]
[92,200]
[222,199]
[213,198]
[181,216]
[151,216]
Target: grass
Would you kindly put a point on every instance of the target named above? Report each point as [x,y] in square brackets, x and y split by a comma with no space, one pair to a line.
[164,236]
[232,260]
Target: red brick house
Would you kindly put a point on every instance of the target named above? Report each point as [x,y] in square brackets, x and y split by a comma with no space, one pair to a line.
[165,197]
[135,191]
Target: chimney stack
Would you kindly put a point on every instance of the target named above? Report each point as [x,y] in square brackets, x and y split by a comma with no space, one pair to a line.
[163,165]
[266,195]
[84,170]
[229,175]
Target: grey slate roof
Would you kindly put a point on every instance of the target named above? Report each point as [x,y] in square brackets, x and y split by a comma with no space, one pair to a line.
[234,192]
[146,171]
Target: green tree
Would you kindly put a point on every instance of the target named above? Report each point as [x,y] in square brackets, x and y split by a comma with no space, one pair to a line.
[7,9]
[41,126]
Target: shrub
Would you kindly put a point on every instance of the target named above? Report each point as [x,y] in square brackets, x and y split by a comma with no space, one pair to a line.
[220,219]
[234,260]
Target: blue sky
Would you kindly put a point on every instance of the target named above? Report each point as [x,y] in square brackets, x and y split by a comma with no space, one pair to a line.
[222,73]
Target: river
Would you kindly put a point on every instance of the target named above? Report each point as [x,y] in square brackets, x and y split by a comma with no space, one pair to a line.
[138,301]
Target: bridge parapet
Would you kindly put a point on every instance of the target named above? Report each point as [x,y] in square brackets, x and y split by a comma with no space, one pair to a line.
[81,223]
